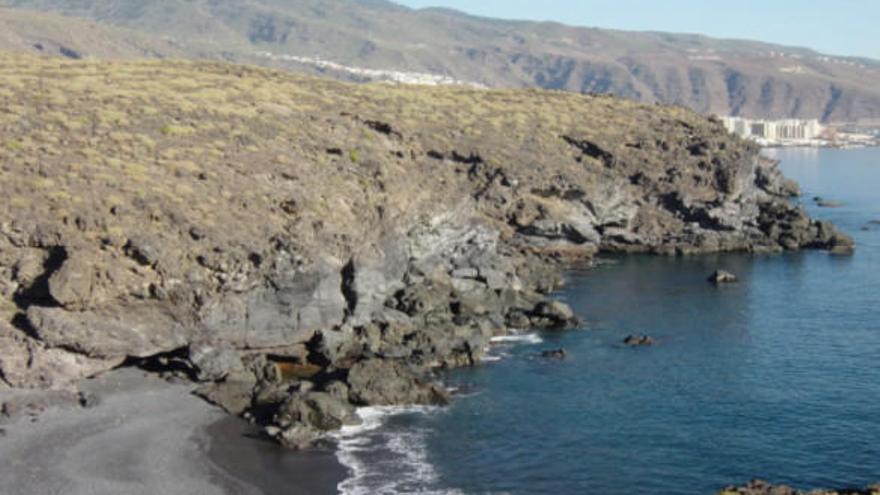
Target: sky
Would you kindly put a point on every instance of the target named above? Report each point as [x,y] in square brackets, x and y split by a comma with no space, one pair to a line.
[836,27]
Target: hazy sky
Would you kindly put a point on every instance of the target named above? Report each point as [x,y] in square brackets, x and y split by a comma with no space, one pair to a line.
[838,27]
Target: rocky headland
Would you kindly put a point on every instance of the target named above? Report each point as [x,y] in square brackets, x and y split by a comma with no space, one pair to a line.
[301,247]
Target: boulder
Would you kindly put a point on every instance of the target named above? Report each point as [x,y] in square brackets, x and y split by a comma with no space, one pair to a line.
[296,437]
[553,315]
[88,400]
[234,396]
[842,245]
[379,382]
[306,417]
[143,249]
[638,341]
[721,277]
[73,285]
[320,410]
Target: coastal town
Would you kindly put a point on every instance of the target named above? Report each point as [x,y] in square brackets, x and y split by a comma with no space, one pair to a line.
[800,132]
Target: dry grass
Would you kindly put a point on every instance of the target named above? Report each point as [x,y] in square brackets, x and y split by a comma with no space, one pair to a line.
[102,150]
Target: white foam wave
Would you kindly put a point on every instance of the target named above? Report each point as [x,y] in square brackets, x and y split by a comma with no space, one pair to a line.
[527,338]
[382,461]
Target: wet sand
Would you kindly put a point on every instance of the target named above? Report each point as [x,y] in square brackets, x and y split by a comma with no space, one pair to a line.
[149,437]
[237,449]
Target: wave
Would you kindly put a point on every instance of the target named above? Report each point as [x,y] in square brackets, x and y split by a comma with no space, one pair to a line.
[387,460]
[527,338]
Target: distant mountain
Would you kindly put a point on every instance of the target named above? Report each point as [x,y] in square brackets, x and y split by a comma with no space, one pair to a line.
[22,30]
[730,77]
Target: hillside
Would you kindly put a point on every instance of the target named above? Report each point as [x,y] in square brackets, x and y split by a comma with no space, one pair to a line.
[707,75]
[55,35]
[302,245]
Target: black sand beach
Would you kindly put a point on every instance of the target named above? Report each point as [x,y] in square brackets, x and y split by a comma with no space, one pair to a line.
[146,436]
[238,451]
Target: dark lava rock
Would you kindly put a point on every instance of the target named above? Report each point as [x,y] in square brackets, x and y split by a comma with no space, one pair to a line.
[143,250]
[379,382]
[8,409]
[722,277]
[234,396]
[554,354]
[842,246]
[638,341]
[554,315]
[760,487]
[88,400]
[317,409]
[305,418]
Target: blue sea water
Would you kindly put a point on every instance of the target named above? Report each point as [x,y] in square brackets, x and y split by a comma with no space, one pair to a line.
[776,377]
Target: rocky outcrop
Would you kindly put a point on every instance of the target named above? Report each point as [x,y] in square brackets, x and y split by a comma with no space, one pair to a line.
[299,257]
[759,487]
[721,277]
[381,382]
[304,417]
[638,341]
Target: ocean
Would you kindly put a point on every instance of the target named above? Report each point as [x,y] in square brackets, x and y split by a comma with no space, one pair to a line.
[776,377]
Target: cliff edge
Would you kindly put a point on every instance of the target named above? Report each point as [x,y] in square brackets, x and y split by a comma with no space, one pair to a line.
[303,246]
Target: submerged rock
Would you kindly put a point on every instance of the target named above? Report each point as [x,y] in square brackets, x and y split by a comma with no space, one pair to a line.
[825,203]
[723,277]
[638,341]
[554,354]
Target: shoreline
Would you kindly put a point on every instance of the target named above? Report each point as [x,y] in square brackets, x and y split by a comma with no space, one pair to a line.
[239,450]
[145,436]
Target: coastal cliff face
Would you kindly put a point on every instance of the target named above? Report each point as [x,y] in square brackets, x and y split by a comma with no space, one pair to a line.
[304,246]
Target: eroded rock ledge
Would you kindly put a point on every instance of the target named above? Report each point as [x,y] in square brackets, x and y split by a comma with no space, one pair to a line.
[302,246]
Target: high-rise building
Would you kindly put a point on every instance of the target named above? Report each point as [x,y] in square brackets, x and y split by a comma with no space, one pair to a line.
[782,131]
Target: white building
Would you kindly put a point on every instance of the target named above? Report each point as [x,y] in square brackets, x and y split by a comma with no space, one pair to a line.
[788,131]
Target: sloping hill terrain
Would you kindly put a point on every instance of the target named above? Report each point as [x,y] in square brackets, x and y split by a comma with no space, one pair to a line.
[303,245]
[723,77]
[56,35]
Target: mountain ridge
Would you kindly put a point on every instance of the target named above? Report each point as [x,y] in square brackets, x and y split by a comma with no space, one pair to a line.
[711,76]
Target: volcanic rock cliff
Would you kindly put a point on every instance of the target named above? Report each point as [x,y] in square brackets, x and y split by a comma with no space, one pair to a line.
[303,246]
